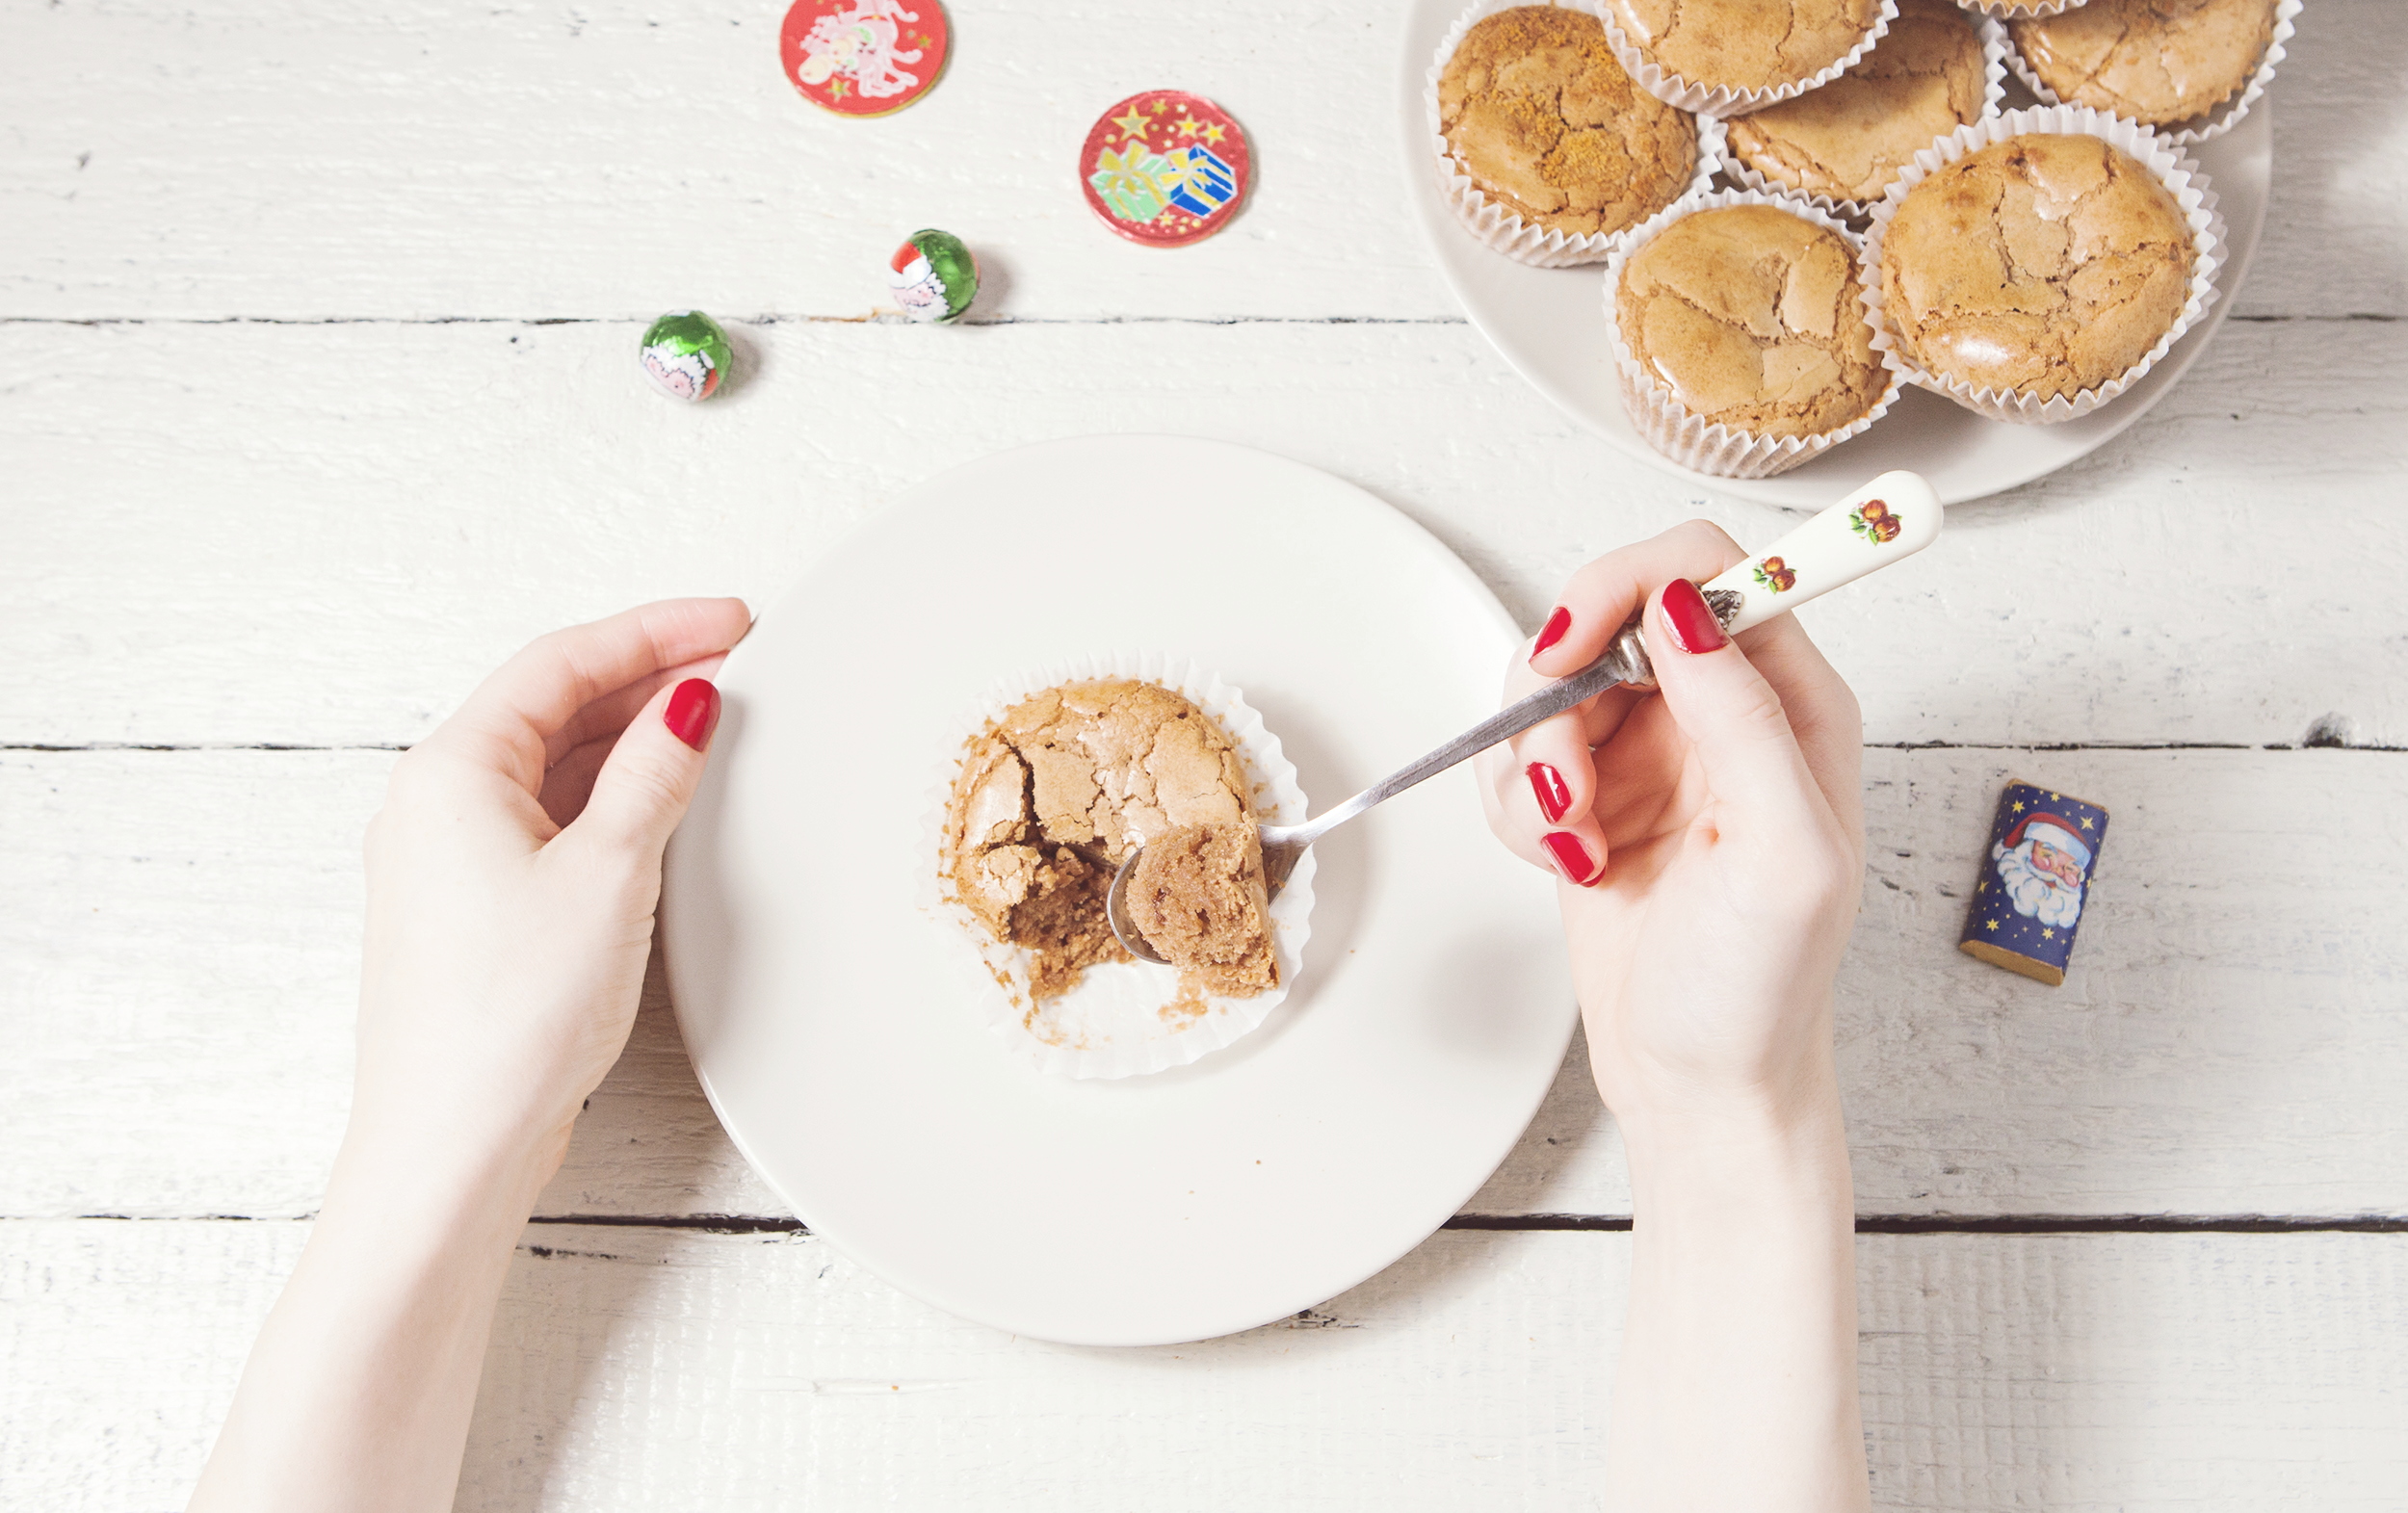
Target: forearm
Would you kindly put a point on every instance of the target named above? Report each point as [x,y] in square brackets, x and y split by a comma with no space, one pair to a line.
[1736,1388]
[358,1393]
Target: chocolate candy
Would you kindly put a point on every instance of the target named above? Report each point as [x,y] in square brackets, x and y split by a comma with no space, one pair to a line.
[686,355]
[864,56]
[933,277]
[2043,849]
[1166,168]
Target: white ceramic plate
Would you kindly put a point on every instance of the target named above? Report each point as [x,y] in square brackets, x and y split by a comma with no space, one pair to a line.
[1550,324]
[833,1023]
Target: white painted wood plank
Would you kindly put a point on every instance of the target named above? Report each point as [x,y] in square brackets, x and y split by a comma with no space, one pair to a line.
[661,1369]
[326,535]
[179,931]
[439,158]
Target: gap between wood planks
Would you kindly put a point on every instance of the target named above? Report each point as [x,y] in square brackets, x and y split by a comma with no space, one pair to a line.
[1865,1223]
[890,318]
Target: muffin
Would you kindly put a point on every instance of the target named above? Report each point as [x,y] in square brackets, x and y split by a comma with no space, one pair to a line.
[1847,139]
[1052,796]
[1745,315]
[1722,54]
[1532,108]
[2155,62]
[2043,265]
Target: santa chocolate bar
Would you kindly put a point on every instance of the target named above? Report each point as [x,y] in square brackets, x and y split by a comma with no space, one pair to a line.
[2034,881]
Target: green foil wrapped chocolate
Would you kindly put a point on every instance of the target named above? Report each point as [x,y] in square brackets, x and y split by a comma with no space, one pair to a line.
[933,277]
[686,355]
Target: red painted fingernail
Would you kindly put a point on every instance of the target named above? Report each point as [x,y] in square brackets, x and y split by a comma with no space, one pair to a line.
[1554,630]
[1694,626]
[1554,795]
[1571,857]
[693,712]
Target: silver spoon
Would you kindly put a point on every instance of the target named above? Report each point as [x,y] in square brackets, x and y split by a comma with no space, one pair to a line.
[1894,516]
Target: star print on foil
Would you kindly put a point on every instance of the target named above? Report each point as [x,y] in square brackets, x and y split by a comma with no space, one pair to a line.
[1167,192]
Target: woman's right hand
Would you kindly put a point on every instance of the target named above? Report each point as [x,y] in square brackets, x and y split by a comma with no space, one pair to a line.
[1708,840]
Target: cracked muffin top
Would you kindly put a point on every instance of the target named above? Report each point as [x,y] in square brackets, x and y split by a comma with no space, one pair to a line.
[2042,264]
[1744,44]
[1052,795]
[1848,138]
[1544,121]
[2155,62]
[1750,318]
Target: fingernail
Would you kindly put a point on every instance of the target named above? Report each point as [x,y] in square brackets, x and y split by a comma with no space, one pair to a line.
[1554,795]
[1694,626]
[693,711]
[1554,630]
[1571,857]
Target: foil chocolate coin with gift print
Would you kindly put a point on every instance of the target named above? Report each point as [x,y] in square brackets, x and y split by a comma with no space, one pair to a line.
[1166,168]
[864,56]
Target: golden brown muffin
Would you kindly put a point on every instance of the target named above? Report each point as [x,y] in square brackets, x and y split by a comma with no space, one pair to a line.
[2155,62]
[1547,124]
[1848,138]
[1052,795]
[1744,44]
[2042,264]
[1750,318]
[1197,897]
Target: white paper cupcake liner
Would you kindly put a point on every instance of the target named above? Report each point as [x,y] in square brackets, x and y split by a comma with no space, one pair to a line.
[1722,99]
[1694,443]
[2181,178]
[1113,1024]
[2011,10]
[1501,229]
[1995,48]
[2215,122]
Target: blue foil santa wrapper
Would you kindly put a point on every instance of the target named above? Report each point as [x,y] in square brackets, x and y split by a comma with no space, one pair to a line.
[2035,879]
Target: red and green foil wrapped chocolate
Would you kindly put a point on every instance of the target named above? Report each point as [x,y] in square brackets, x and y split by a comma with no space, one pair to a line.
[933,277]
[686,355]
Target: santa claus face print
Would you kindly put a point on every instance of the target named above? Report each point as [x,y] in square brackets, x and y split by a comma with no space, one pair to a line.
[916,286]
[687,375]
[2038,893]
[2048,859]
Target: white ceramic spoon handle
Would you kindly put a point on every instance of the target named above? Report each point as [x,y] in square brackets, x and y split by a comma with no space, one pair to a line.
[1891,518]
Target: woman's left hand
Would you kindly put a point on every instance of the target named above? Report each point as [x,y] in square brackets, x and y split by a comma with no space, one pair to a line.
[512,875]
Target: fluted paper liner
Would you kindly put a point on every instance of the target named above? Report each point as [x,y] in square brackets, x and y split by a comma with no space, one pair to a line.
[2014,9]
[2175,169]
[2213,124]
[1722,99]
[1490,222]
[1119,1020]
[1995,48]
[1669,427]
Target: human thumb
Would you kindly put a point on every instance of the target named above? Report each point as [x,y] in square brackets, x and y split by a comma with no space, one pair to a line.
[650,776]
[1731,716]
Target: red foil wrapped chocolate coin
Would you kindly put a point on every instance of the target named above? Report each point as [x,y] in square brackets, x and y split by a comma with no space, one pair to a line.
[1166,168]
[864,56]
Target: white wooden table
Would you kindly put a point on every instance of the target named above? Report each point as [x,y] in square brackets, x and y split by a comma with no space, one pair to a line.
[318,396]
